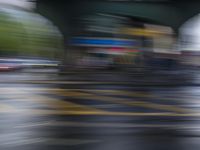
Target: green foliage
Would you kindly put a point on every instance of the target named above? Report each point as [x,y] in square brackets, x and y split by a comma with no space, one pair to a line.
[27,33]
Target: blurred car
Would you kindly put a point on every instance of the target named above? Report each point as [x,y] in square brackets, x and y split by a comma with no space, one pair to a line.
[7,65]
[40,63]
[11,64]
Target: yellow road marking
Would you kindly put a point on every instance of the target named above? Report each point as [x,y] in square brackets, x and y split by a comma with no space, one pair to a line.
[56,103]
[21,90]
[96,91]
[77,94]
[124,101]
[39,112]
[122,93]
[104,124]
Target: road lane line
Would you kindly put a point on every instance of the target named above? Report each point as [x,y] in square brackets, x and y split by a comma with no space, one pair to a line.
[107,92]
[103,124]
[121,93]
[76,82]
[124,101]
[42,112]
[82,95]
[56,103]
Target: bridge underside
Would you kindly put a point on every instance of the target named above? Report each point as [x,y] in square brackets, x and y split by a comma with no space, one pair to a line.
[64,13]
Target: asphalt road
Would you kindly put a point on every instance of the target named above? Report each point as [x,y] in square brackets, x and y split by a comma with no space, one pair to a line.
[97,111]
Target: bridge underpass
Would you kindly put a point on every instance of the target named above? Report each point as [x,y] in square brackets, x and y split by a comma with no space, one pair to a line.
[170,13]
[67,15]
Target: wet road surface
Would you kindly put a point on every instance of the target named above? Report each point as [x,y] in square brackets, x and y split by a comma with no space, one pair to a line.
[96,112]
